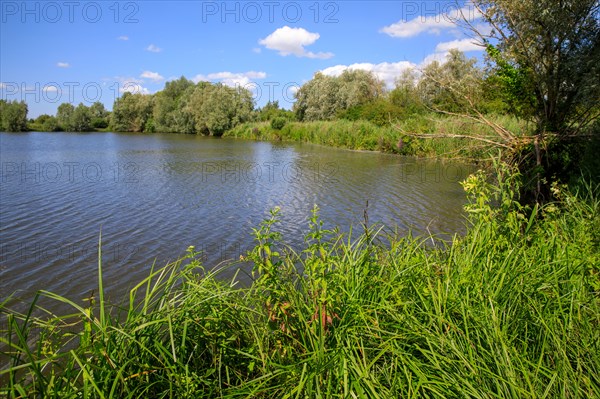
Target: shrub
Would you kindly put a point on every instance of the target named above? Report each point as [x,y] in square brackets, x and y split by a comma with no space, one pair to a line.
[278,123]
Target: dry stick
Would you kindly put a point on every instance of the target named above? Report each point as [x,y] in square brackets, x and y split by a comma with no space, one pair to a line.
[585,118]
[480,118]
[484,121]
[451,135]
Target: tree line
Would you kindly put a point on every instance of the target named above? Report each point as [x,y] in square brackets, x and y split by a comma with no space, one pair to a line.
[181,107]
[211,109]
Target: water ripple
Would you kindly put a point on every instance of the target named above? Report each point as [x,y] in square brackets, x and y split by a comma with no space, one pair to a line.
[152,196]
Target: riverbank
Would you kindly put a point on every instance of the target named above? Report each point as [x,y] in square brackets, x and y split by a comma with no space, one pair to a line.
[397,138]
[510,310]
[362,135]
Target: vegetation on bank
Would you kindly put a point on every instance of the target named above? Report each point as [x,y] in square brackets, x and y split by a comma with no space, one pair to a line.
[511,310]
[13,116]
[391,138]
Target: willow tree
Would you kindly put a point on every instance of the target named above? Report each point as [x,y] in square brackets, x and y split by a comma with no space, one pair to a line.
[216,108]
[13,116]
[323,97]
[170,107]
[556,45]
[132,113]
[547,56]
[545,65]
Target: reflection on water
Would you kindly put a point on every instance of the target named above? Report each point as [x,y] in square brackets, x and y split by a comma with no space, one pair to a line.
[153,196]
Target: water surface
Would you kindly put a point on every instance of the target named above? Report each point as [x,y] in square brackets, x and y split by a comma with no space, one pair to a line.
[152,196]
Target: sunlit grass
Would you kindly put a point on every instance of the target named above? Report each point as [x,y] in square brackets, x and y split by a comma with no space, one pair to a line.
[397,139]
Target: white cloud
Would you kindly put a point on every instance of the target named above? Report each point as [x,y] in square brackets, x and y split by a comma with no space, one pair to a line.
[50,88]
[438,57]
[131,85]
[154,76]
[257,50]
[463,45]
[288,41]
[386,71]
[416,26]
[124,38]
[153,49]
[230,78]
[62,64]
[447,18]
[133,88]
[293,90]
[443,49]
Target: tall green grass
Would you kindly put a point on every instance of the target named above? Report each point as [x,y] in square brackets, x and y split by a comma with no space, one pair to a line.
[364,135]
[511,310]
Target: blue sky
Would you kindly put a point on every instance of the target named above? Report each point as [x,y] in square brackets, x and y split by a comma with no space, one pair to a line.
[70,51]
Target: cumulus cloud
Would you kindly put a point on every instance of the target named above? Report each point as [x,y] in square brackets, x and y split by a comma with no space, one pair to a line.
[463,45]
[133,88]
[231,79]
[435,57]
[443,49]
[124,38]
[447,18]
[386,71]
[154,76]
[288,41]
[153,49]
[131,85]
[49,88]
[62,64]
[416,26]
[293,89]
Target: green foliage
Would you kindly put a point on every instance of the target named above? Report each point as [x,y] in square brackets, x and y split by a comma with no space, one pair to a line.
[45,123]
[381,112]
[184,107]
[100,117]
[272,110]
[405,95]
[323,97]
[278,123]
[13,116]
[74,119]
[132,113]
[64,117]
[547,59]
[81,119]
[50,125]
[496,204]
[511,84]
[364,135]
[454,86]
[170,112]
[217,108]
